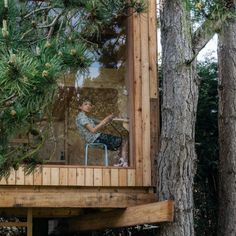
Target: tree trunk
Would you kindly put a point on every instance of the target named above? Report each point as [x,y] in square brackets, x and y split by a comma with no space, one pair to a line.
[180,94]
[227,129]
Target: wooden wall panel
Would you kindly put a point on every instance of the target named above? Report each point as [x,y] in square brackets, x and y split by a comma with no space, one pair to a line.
[131,177]
[72,176]
[145,88]
[114,177]
[54,176]
[11,180]
[20,176]
[29,179]
[89,177]
[3,181]
[63,176]
[97,177]
[46,173]
[38,176]
[80,177]
[123,177]
[106,177]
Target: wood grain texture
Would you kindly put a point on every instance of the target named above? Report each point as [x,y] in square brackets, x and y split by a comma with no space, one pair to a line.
[137,93]
[80,176]
[135,215]
[62,197]
[46,174]
[106,177]
[20,176]
[152,38]
[29,222]
[97,177]
[56,175]
[145,100]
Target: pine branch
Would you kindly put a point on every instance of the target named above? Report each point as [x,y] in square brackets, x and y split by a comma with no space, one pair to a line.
[53,25]
[36,11]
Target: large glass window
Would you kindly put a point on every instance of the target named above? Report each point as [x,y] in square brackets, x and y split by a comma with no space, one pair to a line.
[105,86]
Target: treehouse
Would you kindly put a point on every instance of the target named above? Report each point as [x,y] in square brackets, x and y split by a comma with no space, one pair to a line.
[123,82]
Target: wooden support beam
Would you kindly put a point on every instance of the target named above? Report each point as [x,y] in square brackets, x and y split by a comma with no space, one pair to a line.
[41,212]
[135,215]
[29,222]
[13,224]
[56,197]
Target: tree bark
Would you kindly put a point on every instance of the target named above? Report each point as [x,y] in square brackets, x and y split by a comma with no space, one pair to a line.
[180,95]
[227,128]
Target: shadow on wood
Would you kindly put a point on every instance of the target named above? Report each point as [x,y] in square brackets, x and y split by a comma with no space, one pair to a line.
[136,215]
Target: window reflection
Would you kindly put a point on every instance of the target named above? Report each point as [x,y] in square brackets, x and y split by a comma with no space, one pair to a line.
[105,84]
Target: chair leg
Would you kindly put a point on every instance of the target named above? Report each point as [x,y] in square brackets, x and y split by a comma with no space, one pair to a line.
[105,153]
[106,156]
[86,155]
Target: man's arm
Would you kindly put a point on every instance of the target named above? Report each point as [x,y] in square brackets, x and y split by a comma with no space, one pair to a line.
[100,125]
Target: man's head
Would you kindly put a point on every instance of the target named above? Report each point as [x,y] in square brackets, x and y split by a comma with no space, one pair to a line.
[85,105]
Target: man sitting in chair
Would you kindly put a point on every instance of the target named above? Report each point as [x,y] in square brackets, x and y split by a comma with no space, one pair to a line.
[89,130]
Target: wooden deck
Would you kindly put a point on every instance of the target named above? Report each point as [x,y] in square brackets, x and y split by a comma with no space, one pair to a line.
[59,186]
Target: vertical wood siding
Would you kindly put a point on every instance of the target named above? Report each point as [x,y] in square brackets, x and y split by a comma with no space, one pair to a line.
[73,176]
[144,89]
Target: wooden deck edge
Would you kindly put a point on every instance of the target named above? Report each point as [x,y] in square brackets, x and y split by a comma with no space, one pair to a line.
[64,197]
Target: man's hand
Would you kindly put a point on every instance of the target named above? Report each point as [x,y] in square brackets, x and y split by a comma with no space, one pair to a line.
[109,118]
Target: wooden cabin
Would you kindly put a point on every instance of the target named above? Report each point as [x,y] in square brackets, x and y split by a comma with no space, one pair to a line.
[66,188]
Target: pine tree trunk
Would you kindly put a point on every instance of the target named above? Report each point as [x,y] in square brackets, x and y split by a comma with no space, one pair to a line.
[180,94]
[227,129]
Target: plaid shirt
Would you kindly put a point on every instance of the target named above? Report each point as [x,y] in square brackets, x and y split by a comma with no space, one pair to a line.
[81,121]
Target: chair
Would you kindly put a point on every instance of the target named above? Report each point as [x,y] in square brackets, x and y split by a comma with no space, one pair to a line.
[96,145]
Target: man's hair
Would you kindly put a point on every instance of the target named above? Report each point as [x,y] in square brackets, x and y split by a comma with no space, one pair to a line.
[84,99]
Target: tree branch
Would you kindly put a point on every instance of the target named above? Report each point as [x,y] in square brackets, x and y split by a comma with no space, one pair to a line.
[37,10]
[53,25]
[203,35]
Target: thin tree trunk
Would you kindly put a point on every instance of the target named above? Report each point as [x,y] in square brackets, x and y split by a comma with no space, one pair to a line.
[227,128]
[180,94]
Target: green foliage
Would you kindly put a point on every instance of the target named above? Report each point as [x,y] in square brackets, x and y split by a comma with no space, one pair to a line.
[210,10]
[205,186]
[76,56]
[39,41]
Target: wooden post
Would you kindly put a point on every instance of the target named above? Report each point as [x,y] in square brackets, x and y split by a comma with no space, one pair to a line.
[137,94]
[145,100]
[154,93]
[130,71]
[152,37]
[29,222]
[66,154]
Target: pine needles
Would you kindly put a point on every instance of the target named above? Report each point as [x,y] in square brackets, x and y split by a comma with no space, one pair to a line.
[39,42]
